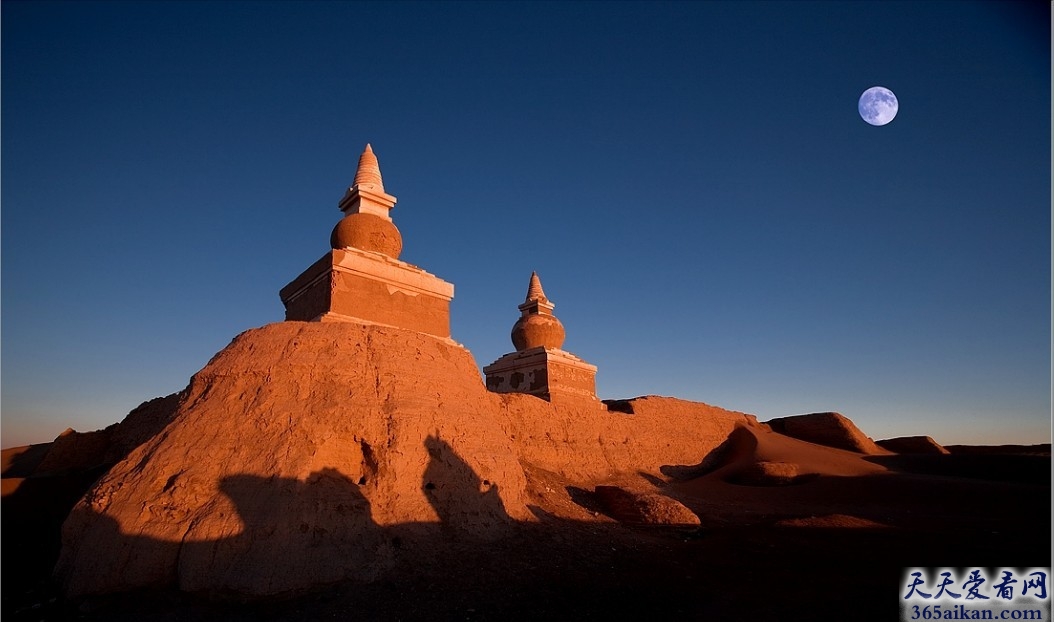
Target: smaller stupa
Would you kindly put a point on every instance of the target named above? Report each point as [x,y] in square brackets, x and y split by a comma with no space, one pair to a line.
[362,279]
[539,366]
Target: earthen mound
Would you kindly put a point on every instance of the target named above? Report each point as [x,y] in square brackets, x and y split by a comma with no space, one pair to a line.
[309,453]
[72,450]
[289,454]
[76,452]
[912,445]
[830,429]
[143,423]
[23,461]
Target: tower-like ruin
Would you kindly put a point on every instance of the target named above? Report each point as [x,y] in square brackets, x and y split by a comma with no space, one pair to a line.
[361,279]
[539,366]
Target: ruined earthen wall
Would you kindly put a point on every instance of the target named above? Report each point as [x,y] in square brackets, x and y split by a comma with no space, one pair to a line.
[304,450]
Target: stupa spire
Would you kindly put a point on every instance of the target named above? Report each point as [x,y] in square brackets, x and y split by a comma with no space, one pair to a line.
[369,171]
[366,194]
[534,289]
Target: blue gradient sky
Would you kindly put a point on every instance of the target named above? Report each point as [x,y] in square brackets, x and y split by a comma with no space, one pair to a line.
[692,182]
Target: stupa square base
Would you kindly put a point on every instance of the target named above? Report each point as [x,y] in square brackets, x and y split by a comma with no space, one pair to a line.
[545,373]
[356,284]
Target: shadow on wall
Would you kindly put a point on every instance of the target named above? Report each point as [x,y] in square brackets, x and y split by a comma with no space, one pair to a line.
[288,535]
[460,498]
[739,444]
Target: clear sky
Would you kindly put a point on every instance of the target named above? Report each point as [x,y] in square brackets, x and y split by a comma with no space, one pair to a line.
[692,182]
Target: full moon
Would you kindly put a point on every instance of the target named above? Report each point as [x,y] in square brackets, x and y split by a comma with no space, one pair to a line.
[878,105]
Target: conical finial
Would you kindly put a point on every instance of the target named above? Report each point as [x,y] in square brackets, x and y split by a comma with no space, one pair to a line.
[534,290]
[369,173]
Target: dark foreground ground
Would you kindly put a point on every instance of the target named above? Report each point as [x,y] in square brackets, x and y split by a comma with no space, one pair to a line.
[955,511]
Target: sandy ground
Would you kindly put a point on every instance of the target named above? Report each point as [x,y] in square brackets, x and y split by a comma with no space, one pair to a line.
[789,531]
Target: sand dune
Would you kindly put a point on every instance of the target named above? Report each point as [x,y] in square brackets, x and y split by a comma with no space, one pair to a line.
[756,455]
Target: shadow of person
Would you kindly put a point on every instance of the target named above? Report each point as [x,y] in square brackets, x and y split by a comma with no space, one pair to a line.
[294,534]
[285,536]
[462,500]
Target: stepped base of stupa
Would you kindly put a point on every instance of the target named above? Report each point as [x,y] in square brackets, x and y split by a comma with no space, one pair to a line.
[361,285]
[542,372]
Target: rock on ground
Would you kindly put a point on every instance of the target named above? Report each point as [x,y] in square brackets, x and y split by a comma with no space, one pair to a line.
[643,508]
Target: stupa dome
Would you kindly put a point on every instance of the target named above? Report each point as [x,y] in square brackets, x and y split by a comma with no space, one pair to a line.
[535,329]
[369,233]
